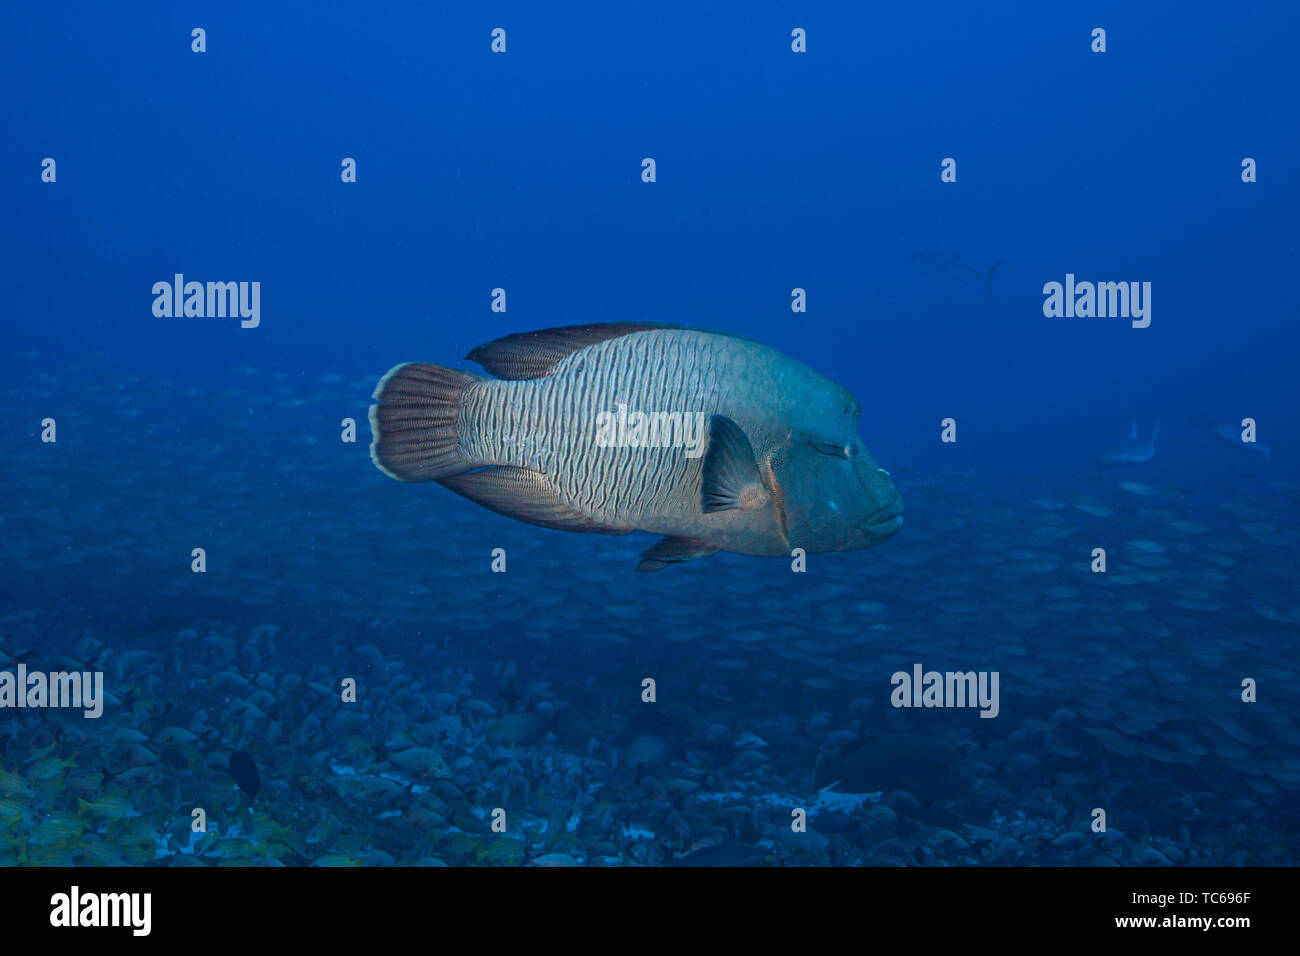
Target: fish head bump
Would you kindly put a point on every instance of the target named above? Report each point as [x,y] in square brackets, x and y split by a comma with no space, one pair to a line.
[836,496]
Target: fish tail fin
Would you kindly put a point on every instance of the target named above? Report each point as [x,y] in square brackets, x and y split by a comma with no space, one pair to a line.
[988,277]
[414,426]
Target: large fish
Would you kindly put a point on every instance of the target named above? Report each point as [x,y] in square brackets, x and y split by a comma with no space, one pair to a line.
[555,440]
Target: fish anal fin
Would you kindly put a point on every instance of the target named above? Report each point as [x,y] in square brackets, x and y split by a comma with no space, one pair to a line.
[527,355]
[730,474]
[674,550]
[525,495]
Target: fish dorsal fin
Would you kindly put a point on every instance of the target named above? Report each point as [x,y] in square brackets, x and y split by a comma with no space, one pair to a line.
[526,495]
[535,354]
[1133,432]
[674,550]
[731,478]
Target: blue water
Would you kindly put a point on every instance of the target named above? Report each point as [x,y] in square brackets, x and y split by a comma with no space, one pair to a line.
[775,170]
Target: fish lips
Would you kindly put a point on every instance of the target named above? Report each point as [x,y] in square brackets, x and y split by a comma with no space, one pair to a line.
[886,521]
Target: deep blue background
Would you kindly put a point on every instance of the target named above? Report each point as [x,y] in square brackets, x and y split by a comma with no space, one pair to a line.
[775,170]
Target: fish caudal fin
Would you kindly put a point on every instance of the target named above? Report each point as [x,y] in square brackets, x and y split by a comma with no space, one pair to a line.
[414,426]
[988,277]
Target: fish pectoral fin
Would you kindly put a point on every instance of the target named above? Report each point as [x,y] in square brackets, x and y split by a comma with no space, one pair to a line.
[525,495]
[672,550]
[731,478]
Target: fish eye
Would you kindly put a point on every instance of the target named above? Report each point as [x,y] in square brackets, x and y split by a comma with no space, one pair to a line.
[836,449]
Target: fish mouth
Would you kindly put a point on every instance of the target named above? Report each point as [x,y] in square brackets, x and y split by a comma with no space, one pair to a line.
[886,521]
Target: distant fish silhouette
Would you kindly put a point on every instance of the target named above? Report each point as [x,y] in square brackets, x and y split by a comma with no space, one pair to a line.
[1231,435]
[244,770]
[952,268]
[1132,452]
